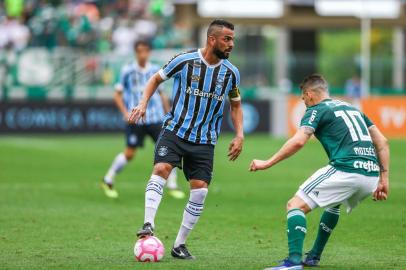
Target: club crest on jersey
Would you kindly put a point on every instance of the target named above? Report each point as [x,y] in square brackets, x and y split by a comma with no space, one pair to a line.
[162,151]
[195,78]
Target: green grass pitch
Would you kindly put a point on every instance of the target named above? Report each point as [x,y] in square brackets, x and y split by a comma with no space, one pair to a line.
[53,215]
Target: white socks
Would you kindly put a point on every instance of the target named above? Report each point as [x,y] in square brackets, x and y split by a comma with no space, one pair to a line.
[171,183]
[191,214]
[153,196]
[118,164]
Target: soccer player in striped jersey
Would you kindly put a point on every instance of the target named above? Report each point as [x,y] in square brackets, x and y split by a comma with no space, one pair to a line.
[133,79]
[358,167]
[203,79]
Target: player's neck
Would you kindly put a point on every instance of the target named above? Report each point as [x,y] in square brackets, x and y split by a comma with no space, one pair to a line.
[320,99]
[209,56]
[142,64]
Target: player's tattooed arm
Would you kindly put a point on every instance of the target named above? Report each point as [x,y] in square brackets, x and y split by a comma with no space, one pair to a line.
[307,130]
[382,151]
[294,144]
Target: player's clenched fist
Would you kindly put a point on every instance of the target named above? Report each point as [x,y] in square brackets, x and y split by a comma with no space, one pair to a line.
[257,164]
[137,113]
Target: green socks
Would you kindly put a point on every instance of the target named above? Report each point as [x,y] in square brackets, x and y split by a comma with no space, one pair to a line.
[328,222]
[296,234]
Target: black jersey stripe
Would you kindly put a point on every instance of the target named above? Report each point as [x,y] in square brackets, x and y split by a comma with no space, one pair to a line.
[216,125]
[202,79]
[174,104]
[185,104]
[218,105]
[211,89]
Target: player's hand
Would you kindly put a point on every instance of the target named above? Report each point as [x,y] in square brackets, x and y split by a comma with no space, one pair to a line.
[257,164]
[137,114]
[235,148]
[382,191]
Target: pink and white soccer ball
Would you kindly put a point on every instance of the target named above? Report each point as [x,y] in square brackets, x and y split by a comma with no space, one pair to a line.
[149,249]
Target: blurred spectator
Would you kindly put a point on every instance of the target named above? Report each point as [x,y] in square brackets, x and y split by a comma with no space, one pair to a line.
[353,87]
[95,26]
[353,90]
[145,29]
[89,10]
[13,35]
[123,38]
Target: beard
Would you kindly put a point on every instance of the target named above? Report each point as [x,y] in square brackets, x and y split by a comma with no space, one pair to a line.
[220,54]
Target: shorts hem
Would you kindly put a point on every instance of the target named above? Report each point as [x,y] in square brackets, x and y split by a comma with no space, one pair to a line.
[208,181]
[135,145]
[307,199]
[173,164]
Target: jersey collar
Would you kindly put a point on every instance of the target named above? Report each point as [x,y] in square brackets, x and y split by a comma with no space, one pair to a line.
[324,100]
[207,64]
[142,69]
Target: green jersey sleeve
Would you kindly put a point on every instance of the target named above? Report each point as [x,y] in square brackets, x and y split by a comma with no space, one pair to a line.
[368,121]
[311,118]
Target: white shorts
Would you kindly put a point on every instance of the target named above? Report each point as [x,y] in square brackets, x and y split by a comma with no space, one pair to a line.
[330,187]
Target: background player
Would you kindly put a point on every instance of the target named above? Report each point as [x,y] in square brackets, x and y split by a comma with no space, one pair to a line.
[359,158]
[202,80]
[128,93]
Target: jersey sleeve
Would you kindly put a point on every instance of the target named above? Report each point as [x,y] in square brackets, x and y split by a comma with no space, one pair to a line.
[234,93]
[173,67]
[311,118]
[120,84]
[368,121]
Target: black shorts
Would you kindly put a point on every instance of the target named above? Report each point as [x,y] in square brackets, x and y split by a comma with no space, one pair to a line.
[197,159]
[135,134]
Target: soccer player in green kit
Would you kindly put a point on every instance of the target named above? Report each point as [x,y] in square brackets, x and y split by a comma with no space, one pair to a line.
[358,167]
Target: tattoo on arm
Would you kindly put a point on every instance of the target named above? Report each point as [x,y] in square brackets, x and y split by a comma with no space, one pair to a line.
[308,130]
[382,168]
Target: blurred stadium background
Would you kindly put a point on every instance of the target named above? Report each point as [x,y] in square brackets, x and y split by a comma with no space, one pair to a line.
[59,60]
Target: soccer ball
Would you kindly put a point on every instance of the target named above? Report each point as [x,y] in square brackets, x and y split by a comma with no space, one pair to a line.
[149,249]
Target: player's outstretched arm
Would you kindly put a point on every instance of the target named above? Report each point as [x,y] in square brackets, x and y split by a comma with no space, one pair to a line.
[382,151]
[293,145]
[139,112]
[235,148]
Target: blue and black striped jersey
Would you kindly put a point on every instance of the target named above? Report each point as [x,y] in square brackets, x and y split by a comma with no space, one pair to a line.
[133,80]
[199,93]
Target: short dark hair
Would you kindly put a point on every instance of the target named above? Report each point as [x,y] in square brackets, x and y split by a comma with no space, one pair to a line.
[314,82]
[142,43]
[219,23]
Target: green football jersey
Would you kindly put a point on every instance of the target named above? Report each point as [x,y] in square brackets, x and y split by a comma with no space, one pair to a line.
[343,132]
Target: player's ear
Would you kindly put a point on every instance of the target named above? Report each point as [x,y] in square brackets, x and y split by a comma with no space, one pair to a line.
[211,40]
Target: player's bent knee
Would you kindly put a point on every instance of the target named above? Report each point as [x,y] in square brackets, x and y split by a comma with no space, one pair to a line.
[290,205]
[297,203]
[195,184]
[129,153]
[162,169]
